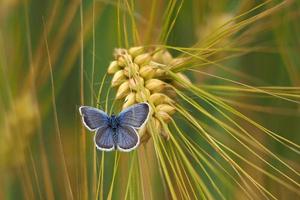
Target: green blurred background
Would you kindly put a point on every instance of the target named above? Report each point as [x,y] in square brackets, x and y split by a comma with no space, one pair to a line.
[42,155]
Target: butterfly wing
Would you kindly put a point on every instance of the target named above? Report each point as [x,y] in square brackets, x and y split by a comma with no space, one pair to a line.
[135,116]
[93,118]
[104,139]
[128,138]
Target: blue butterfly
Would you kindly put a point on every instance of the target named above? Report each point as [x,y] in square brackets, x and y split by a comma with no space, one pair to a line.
[116,132]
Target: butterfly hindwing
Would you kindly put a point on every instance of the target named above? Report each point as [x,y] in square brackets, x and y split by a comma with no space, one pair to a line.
[128,138]
[134,116]
[93,118]
[104,139]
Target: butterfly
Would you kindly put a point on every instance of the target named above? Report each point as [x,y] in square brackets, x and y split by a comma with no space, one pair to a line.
[116,131]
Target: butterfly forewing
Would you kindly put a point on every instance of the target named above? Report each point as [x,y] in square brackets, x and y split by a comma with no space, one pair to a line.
[93,118]
[134,116]
[128,138]
[104,139]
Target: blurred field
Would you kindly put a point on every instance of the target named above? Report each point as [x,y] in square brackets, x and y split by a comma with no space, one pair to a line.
[236,130]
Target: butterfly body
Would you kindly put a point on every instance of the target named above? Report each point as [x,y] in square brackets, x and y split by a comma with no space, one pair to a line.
[116,131]
[113,123]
